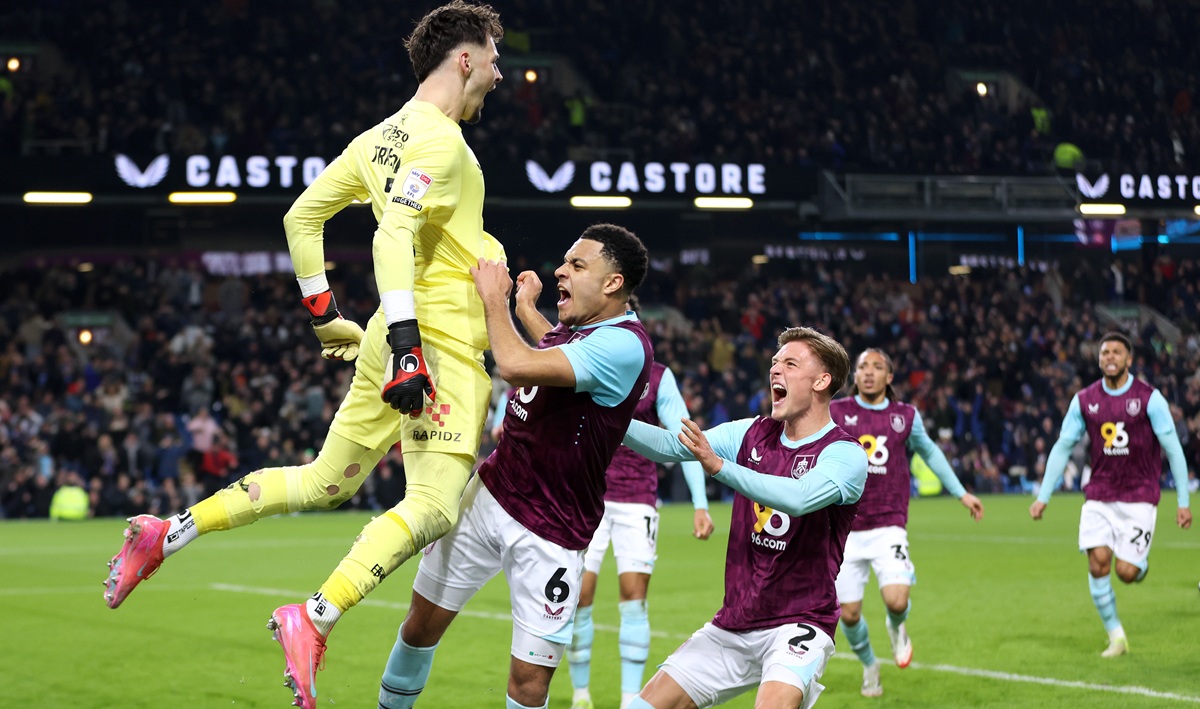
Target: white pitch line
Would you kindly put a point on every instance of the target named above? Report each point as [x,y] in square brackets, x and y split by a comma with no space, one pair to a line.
[951,669]
[985,539]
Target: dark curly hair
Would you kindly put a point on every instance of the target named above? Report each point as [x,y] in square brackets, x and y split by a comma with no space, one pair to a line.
[447,27]
[1118,337]
[624,250]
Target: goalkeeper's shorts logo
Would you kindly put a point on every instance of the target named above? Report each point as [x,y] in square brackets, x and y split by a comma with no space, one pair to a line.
[436,436]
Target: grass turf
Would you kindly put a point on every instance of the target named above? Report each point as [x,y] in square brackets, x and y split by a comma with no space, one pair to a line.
[1001,616]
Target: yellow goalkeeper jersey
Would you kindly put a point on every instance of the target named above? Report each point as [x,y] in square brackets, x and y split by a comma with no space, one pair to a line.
[426,189]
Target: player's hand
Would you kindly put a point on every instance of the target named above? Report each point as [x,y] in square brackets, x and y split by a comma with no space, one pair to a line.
[1036,509]
[529,287]
[492,280]
[972,503]
[702,525]
[409,379]
[693,439]
[339,337]
[1183,518]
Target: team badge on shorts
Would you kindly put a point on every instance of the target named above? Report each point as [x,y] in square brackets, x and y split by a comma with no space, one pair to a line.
[1133,406]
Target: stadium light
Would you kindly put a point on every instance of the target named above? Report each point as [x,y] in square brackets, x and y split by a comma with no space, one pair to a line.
[1102,210]
[760,259]
[981,88]
[600,202]
[14,64]
[531,76]
[202,197]
[1197,210]
[58,197]
[723,203]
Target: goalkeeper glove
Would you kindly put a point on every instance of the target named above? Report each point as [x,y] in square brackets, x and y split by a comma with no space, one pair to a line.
[410,379]
[339,337]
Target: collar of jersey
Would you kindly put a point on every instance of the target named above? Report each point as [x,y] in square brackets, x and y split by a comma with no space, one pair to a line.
[627,317]
[873,407]
[805,441]
[1117,392]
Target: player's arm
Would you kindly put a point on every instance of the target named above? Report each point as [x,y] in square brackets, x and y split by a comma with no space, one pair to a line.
[661,446]
[838,478]
[605,364]
[671,411]
[424,190]
[920,443]
[304,225]
[1164,429]
[529,287]
[1056,462]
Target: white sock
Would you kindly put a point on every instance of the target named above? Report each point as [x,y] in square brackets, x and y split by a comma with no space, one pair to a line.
[180,533]
[581,693]
[1117,633]
[626,698]
[322,613]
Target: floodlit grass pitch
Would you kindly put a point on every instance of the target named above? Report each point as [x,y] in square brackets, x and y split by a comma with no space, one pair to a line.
[1001,617]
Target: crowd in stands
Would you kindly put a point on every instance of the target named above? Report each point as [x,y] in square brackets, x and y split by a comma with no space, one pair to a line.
[199,379]
[846,86]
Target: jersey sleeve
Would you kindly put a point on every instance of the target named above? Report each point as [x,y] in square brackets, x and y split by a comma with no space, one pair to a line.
[920,443]
[671,411]
[1164,429]
[606,364]
[501,410]
[838,478]
[424,189]
[304,224]
[662,446]
[1056,462]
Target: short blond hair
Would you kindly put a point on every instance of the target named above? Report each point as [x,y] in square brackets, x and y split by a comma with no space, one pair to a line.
[831,353]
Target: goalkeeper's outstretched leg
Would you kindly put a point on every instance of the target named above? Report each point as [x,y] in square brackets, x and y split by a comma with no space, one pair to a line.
[327,482]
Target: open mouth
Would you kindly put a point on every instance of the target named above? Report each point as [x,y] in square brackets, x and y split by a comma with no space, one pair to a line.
[564,296]
[778,393]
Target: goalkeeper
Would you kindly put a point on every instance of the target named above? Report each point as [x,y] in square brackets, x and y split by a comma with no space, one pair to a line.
[419,374]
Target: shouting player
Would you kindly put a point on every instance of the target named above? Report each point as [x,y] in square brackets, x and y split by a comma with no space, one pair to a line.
[798,477]
[539,497]
[630,522]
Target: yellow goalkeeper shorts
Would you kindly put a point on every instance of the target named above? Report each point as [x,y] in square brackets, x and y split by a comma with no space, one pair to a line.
[453,423]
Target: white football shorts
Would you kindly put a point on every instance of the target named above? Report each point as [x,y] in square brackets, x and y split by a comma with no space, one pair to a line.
[715,665]
[543,577]
[633,530]
[1125,527]
[884,551]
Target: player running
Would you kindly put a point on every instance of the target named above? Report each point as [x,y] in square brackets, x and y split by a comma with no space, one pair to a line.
[1129,425]
[888,430]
